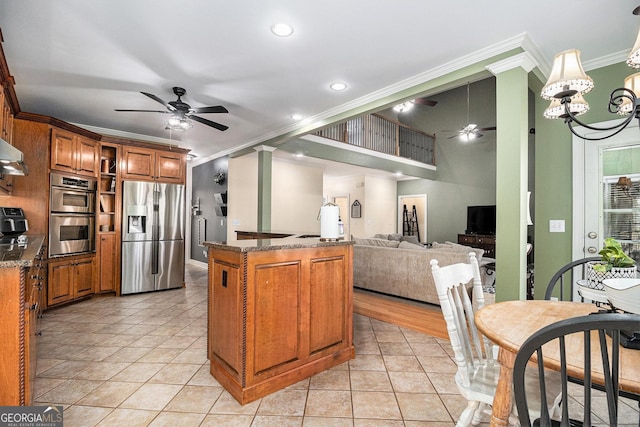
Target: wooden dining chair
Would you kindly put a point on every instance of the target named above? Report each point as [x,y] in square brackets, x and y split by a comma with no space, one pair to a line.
[600,334]
[563,281]
[475,356]
[478,371]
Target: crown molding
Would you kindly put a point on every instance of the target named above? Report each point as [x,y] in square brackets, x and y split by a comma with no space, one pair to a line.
[522,60]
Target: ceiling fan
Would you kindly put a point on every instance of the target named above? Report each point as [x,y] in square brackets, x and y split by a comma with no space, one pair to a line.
[471,130]
[181,111]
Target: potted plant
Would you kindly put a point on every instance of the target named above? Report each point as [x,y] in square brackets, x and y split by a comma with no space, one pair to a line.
[614,264]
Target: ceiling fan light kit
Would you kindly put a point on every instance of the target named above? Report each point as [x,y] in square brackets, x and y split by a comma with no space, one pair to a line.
[568,82]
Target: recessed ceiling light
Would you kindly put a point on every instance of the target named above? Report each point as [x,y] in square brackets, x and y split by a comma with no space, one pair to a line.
[282,30]
[296,117]
[338,86]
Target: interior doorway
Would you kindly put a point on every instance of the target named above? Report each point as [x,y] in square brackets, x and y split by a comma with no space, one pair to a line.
[414,203]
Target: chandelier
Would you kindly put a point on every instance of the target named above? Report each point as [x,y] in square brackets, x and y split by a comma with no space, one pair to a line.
[568,82]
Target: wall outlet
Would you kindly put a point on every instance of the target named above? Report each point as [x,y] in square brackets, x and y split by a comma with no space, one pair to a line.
[556,226]
[204,252]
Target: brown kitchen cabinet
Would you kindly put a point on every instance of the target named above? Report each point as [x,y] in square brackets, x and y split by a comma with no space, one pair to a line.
[107,265]
[277,315]
[73,153]
[70,278]
[480,241]
[146,164]
[20,295]
[6,133]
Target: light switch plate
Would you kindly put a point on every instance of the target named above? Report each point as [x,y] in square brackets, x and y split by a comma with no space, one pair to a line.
[556,226]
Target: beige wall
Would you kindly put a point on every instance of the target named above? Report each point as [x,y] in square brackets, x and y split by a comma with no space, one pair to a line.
[380,205]
[242,204]
[378,199]
[296,197]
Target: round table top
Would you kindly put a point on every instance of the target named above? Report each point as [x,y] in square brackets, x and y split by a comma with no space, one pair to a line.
[510,323]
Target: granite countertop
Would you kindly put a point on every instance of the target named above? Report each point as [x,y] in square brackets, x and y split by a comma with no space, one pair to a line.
[293,242]
[21,255]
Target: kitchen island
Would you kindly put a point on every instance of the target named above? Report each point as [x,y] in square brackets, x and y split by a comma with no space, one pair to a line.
[279,311]
[22,271]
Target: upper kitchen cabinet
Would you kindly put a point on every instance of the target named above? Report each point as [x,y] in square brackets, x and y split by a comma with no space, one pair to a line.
[6,131]
[73,153]
[147,164]
[8,108]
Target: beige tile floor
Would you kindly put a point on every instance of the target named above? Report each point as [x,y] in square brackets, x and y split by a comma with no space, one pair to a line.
[141,360]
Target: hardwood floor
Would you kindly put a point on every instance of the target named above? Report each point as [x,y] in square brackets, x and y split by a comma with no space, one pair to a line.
[420,317]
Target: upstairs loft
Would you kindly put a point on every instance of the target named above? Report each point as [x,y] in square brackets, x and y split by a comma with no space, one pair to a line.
[378,133]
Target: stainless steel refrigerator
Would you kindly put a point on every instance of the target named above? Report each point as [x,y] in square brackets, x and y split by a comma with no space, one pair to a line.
[152,236]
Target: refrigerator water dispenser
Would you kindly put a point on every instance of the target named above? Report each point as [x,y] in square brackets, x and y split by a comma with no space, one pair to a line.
[136,220]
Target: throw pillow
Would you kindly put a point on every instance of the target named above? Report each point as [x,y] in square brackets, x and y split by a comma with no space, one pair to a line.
[395,236]
[381,236]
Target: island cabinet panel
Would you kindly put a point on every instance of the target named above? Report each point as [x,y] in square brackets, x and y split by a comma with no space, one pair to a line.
[327,319]
[278,316]
[276,313]
[225,304]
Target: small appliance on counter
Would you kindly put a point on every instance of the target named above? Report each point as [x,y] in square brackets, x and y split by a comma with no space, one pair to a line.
[331,227]
[13,225]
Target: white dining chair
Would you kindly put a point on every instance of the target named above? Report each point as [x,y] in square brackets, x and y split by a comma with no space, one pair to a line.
[478,370]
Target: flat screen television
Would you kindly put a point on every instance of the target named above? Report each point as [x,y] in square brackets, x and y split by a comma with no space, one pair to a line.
[481,219]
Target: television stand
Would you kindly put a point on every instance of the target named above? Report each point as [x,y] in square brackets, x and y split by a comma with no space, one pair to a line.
[480,241]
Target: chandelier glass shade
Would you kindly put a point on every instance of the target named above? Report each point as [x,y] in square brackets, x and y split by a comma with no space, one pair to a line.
[568,82]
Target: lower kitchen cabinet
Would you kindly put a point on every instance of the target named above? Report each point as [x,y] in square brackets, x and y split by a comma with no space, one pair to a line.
[108,263]
[70,278]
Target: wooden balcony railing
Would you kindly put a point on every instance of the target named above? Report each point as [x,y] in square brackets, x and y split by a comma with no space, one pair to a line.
[378,133]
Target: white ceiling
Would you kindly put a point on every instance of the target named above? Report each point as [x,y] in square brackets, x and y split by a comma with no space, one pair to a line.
[78,60]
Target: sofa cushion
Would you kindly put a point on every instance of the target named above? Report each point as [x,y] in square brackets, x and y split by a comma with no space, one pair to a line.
[409,245]
[377,242]
[381,236]
[410,239]
[456,247]
[395,236]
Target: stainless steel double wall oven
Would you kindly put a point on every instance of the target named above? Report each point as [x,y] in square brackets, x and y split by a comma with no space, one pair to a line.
[71,215]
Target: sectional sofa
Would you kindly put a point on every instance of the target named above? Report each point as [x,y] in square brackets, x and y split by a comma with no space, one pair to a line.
[399,266]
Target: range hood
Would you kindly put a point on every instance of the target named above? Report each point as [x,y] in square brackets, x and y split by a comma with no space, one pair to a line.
[11,160]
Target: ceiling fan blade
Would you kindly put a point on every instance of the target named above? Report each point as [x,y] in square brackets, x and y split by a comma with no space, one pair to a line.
[145,111]
[208,122]
[424,101]
[155,98]
[487,128]
[205,110]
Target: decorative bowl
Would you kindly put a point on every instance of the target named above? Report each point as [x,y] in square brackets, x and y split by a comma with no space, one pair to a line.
[623,294]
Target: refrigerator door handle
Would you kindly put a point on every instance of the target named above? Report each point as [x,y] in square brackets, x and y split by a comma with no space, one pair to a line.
[154,257]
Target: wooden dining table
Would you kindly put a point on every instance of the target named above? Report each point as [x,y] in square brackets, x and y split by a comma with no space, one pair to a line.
[508,324]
